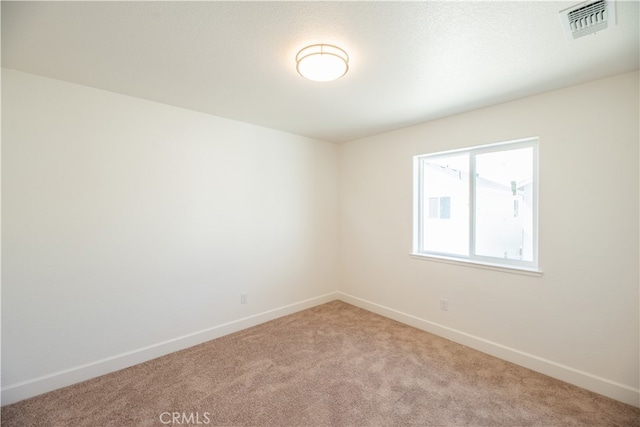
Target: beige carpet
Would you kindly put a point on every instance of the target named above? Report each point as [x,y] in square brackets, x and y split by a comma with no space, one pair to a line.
[332,365]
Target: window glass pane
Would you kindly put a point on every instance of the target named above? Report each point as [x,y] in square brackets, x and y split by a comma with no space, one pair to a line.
[446,179]
[433,207]
[445,207]
[504,201]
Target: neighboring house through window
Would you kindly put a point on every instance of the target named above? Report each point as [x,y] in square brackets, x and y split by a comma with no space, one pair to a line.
[479,204]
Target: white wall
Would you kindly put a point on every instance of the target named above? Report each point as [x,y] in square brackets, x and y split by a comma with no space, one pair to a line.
[579,321]
[129,224]
[130,228]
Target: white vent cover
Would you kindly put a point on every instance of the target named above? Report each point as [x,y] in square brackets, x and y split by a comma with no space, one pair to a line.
[588,17]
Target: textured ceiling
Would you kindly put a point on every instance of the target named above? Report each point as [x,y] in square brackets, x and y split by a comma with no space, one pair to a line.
[410,62]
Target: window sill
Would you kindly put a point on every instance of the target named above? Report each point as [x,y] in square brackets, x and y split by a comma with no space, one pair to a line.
[525,271]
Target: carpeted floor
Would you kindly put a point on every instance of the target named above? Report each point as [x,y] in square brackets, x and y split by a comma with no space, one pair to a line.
[332,365]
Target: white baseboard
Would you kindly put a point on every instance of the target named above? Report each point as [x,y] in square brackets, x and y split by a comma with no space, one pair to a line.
[16,392]
[612,389]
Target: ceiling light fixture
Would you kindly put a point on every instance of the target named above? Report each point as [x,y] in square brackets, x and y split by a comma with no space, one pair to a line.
[322,62]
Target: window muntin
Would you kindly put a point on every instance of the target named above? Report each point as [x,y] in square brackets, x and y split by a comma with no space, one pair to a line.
[490,212]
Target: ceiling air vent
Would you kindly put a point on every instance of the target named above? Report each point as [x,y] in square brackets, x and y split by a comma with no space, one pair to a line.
[588,18]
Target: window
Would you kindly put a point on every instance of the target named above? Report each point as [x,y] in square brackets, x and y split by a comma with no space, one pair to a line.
[479,204]
[439,207]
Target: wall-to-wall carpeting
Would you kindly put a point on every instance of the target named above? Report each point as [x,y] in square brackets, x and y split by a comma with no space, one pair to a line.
[334,364]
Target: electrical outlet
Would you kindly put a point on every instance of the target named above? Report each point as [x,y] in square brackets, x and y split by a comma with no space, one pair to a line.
[244,298]
[444,304]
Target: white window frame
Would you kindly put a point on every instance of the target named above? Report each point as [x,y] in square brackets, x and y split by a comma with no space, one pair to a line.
[509,265]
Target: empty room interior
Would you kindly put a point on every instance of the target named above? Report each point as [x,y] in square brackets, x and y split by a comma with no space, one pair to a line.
[461,195]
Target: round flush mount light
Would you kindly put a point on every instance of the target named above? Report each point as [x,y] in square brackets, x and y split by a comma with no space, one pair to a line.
[322,62]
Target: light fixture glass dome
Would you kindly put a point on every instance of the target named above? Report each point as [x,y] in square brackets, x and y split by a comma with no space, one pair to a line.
[322,62]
